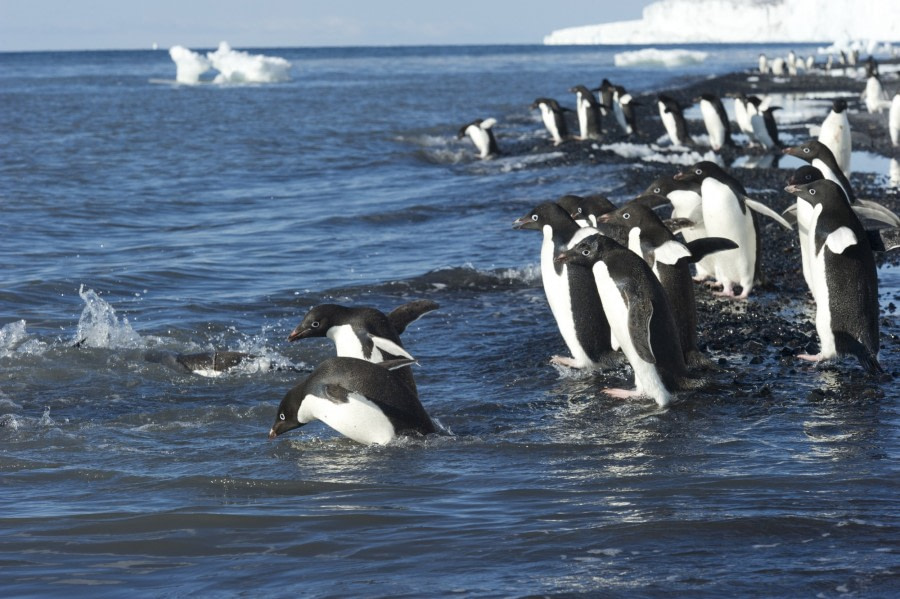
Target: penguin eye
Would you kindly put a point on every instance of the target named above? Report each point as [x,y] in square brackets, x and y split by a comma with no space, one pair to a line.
[812,192]
[534,217]
[626,216]
[698,172]
[806,150]
[315,324]
[657,190]
[281,416]
[585,252]
[579,211]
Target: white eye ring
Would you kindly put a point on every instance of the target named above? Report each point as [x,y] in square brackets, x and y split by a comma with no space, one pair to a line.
[806,150]
[626,216]
[281,416]
[698,172]
[534,217]
[315,324]
[657,190]
[585,252]
[579,211]
[812,192]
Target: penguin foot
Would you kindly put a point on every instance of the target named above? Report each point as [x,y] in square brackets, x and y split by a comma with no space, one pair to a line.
[565,361]
[621,393]
[811,358]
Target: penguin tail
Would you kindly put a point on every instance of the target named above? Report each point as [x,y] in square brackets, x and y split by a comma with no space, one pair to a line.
[870,363]
[695,360]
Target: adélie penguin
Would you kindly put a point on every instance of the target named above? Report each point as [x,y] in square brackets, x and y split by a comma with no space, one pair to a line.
[640,316]
[366,402]
[588,110]
[570,290]
[481,132]
[728,213]
[554,118]
[716,120]
[670,112]
[835,134]
[894,120]
[586,209]
[844,278]
[648,237]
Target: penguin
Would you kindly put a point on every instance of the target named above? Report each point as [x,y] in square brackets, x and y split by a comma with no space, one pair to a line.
[874,96]
[554,118]
[763,64]
[482,135]
[588,110]
[778,66]
[686,204]
[791,63]
[640,316]
[605,96]
[363,332]
[368,403]
[835,134]
[570,290]
[716,120]
[810,62]
[649,238]
[762,120]
[894,120]
[742,117]
[727,213]
[208,363]
[624,107]
[845,282]
[673,119]
[585,209]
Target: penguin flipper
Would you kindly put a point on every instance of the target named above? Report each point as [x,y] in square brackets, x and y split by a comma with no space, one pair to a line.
[790,213]
[700,248]
[884,240]
[402,316]
[640,311]
[671,252]
[335,393]
[840,239]
[875,211]
[388,346]
[766,211]
[395,364]
[677,224]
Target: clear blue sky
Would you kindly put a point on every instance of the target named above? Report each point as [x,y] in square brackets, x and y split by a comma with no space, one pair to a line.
[128,24]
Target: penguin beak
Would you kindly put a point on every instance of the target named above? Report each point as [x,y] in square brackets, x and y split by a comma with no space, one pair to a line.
[561,258]
[680,176]
[794,189]
[792,151]
[272,434]
[523,223]
[299,333]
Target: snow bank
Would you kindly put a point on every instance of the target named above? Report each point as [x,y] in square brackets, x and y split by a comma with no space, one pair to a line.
[748,21]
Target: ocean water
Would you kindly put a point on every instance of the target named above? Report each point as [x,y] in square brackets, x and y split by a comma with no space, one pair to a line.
[140,216]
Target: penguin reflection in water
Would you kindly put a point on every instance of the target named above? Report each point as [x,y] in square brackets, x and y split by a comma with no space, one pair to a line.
[640,316]
[369,403]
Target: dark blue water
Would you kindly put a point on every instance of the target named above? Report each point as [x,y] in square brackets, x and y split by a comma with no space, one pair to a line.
[139,215]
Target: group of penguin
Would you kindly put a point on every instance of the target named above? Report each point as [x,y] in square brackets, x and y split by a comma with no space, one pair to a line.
[618,280]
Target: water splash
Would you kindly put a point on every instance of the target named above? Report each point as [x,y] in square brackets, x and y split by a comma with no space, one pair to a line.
[99,326]
[234,66]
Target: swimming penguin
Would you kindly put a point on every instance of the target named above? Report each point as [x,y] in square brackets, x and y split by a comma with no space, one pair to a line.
[554,118]
[366,402]
[845,282]
[586,209]
[673,119]
[650,239]
[208,363]
[640,315]
[894,120]
[363,332]
[588,110]
[686,204]
[875,97]
[727,213]
[570,290]
[482,135]
[716,120]
[835,134]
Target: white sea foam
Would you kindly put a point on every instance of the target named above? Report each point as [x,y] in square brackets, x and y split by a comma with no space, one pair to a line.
[652,57]
[11,335]
[234,66]
[655,153]
[99,326]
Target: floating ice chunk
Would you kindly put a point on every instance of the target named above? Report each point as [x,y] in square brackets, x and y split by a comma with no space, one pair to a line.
[188,65]
[235,66]
[652,57]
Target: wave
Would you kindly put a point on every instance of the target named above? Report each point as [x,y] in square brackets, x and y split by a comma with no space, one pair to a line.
[655,153]
[234,66]
[652,57]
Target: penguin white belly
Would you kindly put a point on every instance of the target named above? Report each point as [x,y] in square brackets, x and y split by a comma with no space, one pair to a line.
[835,134]
[741,116]
[820,291]
[894,120]
[760,132]
[646,378]
[583,116]
[714,125]
[480,138]
[668,121]
[347,344]
[723,218]
[687,204]
[805,216]
[620,115]
[357,418]
[556,288]
[550,122]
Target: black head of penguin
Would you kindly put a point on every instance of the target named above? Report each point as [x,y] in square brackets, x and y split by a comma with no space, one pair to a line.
[838,105]
[812,150]
[590,250]
[696,174]
[548,214]
[585,93]
[549,102]
[821,191]
[581,207]
[805,174]
[663,186]
[636,215]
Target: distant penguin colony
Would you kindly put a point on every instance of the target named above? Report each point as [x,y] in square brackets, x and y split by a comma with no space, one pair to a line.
[619,277]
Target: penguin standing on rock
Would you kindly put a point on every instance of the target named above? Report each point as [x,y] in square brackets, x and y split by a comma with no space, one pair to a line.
[366,402]
[894,120]
[554,118]
[672,116]
[844,279]
[625,107]
[640,316]
[835,134]
[570,290]
[648,237]
[482,135]
[716,120]
[588,110]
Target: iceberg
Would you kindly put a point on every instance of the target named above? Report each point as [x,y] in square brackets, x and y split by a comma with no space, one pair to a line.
[744,21]
[234,66]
